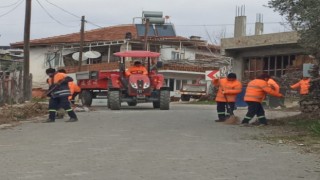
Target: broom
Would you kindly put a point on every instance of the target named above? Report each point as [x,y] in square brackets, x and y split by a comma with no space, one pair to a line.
[232,119]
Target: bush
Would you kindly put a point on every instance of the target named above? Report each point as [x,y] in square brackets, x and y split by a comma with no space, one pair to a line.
[315,128]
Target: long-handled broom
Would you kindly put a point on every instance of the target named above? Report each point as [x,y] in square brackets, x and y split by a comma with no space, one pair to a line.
[232,119]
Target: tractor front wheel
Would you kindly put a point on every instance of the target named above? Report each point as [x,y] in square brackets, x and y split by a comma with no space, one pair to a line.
[114,100]
[164,100]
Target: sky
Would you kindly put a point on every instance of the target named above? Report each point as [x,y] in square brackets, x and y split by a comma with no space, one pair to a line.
[209,19]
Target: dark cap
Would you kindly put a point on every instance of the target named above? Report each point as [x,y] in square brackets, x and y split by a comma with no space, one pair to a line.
[50,71]
[137,63]
[232,76]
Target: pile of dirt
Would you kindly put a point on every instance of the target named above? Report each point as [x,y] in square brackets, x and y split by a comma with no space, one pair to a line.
[301,131]
[298,117]
[15,113]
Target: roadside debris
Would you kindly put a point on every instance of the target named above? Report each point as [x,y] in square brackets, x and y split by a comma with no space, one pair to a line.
[15,113]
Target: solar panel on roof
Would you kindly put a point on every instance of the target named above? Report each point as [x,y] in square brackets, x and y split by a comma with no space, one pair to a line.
[141,30]
[166,30]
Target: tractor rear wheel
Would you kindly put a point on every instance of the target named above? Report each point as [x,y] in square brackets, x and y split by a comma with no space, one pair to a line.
[164,100]
[108,100]
[185,97]
[114,100]
[86,98]
[134,103]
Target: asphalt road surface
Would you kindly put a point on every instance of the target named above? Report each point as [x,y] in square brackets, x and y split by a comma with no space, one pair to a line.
[141,143]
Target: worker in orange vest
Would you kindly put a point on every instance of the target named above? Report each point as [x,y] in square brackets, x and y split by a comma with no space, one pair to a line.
[228,89]
[74,88]
[137,68]
[255,94]
[274,85]
[275,102]
[303,84]
[58,93]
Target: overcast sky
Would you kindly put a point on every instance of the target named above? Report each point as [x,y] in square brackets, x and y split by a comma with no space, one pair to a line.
[205,18]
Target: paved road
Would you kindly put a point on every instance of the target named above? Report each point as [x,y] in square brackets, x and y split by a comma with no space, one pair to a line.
[145,144]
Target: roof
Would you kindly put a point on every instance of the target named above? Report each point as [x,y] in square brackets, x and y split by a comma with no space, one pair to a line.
[101,34]
[111,33]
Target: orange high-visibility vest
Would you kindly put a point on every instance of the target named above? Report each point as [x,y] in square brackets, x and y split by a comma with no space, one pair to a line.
[136,70]
[304,85]
[73,89]
[230,88]
[257,90]
[274,85]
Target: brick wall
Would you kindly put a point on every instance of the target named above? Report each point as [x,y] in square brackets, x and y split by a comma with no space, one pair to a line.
[115,65]
[180,67]
[93,67]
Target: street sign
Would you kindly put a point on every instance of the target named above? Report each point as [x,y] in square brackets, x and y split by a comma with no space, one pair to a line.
[212,74]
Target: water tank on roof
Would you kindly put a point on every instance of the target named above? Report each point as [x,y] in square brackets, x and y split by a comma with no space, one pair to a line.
[147,14]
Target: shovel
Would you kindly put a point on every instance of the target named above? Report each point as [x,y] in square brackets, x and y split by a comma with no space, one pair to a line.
[232,119]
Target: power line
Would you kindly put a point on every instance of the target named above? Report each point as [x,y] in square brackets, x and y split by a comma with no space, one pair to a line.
[11,9]
[5,6]
[59,22]
[72,14]
[89,22]
[196,25]
[62,9]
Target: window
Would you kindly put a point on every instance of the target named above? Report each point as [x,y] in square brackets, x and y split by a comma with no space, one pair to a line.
[178,84]
[171,84]
[184,82]
[176,55]
[166,82]
[272,65]
[52,60]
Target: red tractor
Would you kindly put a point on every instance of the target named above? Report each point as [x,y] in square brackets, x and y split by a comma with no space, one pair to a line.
[138,87]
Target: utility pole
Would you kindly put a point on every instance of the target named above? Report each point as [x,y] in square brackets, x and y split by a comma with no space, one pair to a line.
[26,51]
[81,41]
[146,31]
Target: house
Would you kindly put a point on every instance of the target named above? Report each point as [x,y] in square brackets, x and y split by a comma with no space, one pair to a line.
[274,54]
[181,56]
[10,61]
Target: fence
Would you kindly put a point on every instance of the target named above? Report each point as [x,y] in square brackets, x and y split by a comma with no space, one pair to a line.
[11,88]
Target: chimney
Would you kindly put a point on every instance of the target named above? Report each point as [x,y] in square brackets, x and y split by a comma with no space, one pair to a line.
[259,25]
[240,22]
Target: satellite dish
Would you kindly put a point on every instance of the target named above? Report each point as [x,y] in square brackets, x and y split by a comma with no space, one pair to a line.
[67,51]
[92,54]
[75,56]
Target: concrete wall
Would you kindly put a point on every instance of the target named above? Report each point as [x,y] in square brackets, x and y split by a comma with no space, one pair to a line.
[166,53]
[260,40]
[259,46]
[37,67]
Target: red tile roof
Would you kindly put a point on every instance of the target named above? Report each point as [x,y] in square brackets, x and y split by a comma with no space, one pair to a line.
[102,34]
[111,33]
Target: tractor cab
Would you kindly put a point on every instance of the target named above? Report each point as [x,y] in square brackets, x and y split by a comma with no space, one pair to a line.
[138,81]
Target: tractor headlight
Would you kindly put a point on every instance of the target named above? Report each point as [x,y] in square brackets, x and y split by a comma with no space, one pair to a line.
[134,85]
[146,85]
